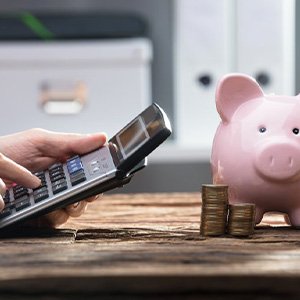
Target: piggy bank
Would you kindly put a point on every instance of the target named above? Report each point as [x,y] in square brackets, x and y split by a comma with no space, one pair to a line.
[256,148]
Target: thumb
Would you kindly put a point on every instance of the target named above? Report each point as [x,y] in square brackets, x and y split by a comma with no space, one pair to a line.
[66,144]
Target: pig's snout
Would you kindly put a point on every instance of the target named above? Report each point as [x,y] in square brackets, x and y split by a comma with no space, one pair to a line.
[279,162]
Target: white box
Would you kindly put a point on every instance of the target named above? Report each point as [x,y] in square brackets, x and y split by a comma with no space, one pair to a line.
[74,86]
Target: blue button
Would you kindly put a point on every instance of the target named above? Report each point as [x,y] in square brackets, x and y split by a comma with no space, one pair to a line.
[75,169]
[74,164]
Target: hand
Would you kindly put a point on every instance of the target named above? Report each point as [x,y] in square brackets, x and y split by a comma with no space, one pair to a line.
[36,150]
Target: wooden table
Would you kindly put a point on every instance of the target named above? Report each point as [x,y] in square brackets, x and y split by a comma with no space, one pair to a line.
[148,245]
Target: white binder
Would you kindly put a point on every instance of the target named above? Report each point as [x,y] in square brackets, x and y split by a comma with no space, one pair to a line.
[216,37]
[265,37]
[203,48]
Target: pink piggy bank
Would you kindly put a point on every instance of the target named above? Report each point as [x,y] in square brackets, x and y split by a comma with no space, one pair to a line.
[256,148]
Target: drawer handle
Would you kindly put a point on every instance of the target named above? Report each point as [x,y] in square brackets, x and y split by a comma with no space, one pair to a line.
[62,97]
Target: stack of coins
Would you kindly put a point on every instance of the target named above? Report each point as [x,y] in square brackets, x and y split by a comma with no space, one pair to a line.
[214,209]
[241,219]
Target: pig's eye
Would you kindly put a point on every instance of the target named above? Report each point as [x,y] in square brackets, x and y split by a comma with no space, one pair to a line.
[262,129]
[296,131]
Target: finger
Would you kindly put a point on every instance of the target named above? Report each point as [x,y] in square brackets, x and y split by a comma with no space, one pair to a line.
[54,218]
[2,193]
[16,173]
[76,209]
[1,203]
[64,144]
[91,199]
[2,187]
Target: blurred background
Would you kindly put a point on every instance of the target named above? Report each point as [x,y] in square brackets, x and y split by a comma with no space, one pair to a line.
[92,65]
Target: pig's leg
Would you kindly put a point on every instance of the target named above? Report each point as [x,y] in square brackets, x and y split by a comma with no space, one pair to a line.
[259,213]
[287,219]
[294,217]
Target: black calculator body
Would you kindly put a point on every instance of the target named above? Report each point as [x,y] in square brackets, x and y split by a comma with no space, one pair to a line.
[110,166]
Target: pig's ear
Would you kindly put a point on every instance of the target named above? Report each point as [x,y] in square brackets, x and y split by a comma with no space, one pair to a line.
[232,91]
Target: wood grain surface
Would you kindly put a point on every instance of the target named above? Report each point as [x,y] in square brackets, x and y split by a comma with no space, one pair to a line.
[148,245]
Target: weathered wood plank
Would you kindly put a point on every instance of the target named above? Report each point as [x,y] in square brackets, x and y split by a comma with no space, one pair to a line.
[142,210]
[150,244]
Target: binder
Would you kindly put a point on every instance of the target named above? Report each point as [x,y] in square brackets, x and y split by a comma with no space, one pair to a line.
[203,54]
[265,38]
[213,38]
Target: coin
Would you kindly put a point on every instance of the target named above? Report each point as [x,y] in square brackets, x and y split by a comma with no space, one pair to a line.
[214,209]
[241,219]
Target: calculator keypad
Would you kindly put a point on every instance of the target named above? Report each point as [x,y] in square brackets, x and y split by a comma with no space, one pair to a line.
[20,197]
[57,179]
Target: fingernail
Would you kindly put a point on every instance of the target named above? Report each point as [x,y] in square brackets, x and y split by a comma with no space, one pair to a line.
[1,203]
[75,204]
[37,181]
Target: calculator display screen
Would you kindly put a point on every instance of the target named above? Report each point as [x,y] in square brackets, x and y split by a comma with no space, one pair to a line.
[132,137]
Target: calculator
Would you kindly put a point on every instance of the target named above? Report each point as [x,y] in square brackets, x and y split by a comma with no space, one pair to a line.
[113,165]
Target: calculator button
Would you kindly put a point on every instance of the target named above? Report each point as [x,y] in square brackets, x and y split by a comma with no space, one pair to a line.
[94,163]
[56,173]
[59,187]
[39,174]
[23,198]
[74,164]
[6,198]
[95,167]
[60,181]
[56,166]
[77,178]
[43,184]
[40,196]
[77,173]
[21,194]
[18,188]
[22,204]
[5,213]
[75,168]
[40,190]
[57,177]
[73,158]
[10,206]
